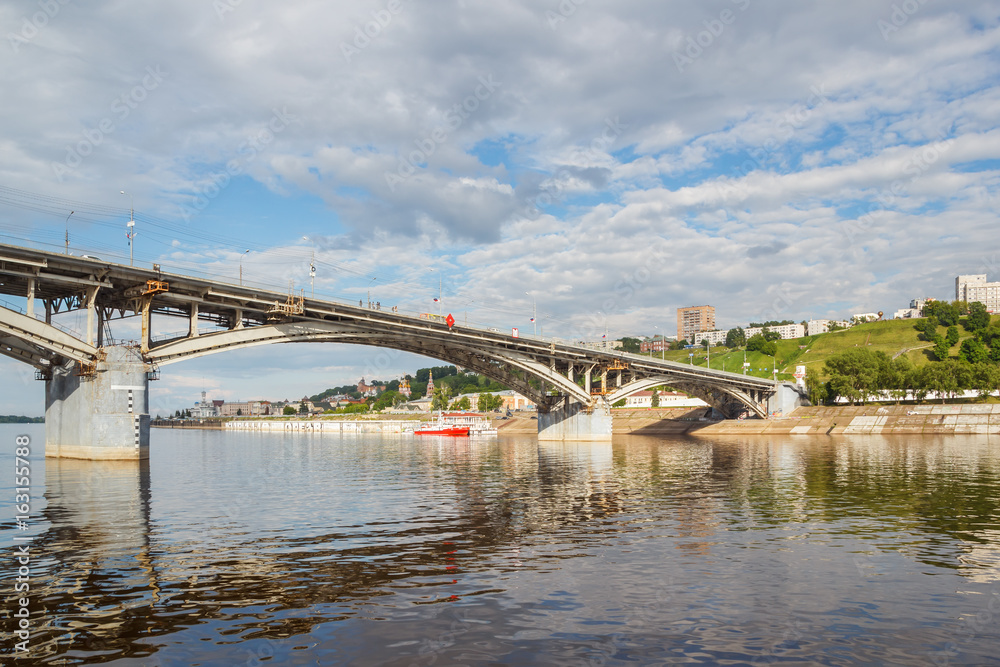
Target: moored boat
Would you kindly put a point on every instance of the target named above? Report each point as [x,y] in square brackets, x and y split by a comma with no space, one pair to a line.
[457,424]
[442,430]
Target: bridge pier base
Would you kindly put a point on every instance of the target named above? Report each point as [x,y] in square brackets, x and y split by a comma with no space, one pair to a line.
[102,414]
[787,397]
[574,422]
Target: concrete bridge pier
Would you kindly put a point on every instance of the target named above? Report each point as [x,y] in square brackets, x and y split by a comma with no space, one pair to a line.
[573,421]
[99,411]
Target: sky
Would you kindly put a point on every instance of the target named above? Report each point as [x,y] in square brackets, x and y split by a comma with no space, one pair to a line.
[599,164]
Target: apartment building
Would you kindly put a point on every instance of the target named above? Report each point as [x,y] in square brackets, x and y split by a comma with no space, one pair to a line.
[975,288]
[694,320]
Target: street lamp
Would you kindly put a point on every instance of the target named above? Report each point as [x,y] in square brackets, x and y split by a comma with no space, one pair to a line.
[131,226]
[604,344]
[534,313]
[440,295]
[312,270]
[370,291]
[67,230]
[241,266]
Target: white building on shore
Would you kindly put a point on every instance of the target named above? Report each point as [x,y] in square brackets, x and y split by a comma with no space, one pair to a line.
[668,399]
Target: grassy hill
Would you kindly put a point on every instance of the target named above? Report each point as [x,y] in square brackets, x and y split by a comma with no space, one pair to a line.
[894,337]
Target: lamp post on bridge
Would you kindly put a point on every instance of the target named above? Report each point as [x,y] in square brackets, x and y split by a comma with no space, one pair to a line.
[244,254]
[440,290]
[131,227]
[312,270]
[67,230]
[534,313]
[370,291]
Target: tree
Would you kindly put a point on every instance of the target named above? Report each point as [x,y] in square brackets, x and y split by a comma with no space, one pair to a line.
[941,349]
[972,351]
[985,378]
[462,404]
[947,314]
[303,409]
[979,317]
[488,402]
[440,399]
[816,388]
[678,344]
[289,410]
[387,399]
[736,338]
[946,378]
[770,336]
[857,373]
[239,412]
[895,378]
[758,343]
[704,342]
[655,400]
[952,336]
[630,345]
[928,327]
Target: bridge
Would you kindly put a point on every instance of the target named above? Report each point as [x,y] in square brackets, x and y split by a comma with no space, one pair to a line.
[96,391]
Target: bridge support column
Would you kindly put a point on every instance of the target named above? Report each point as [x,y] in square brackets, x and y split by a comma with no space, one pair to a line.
[101,416]
[787,397]
[575,422]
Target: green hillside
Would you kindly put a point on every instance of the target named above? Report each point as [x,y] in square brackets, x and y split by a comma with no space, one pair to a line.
[894,337]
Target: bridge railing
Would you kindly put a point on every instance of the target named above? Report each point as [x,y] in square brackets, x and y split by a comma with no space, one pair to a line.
[16,308]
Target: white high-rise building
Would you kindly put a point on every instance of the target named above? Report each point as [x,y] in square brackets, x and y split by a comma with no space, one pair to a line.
[975,288]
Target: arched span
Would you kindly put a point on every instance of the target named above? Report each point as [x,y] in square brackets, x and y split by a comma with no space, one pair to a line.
[38,343]
[705,390]
[499,365]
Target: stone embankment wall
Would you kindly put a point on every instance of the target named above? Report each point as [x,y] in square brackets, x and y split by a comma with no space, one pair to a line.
[864,419]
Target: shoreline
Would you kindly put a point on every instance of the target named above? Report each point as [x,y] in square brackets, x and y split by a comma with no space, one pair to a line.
[938,419]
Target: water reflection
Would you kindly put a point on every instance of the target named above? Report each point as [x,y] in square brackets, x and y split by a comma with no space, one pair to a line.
[225,549]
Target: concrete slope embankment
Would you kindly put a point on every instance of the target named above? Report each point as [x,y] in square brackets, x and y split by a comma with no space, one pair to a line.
[863,419]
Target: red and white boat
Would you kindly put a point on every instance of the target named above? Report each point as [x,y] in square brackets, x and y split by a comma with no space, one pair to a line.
[434,429]
[457,424]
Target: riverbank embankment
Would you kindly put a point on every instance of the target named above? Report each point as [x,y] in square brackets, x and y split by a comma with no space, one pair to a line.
[964,419]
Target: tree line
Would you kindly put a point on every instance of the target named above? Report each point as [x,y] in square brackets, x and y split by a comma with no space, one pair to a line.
[859,373]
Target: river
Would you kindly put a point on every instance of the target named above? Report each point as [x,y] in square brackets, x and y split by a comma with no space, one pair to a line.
[252,549]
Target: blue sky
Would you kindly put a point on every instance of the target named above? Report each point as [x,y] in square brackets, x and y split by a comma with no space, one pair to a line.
[609,161]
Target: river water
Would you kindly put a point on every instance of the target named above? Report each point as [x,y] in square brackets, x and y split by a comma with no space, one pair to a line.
[252,549]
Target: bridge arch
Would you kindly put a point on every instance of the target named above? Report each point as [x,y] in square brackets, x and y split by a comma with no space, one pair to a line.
[726,399]
[509,369]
